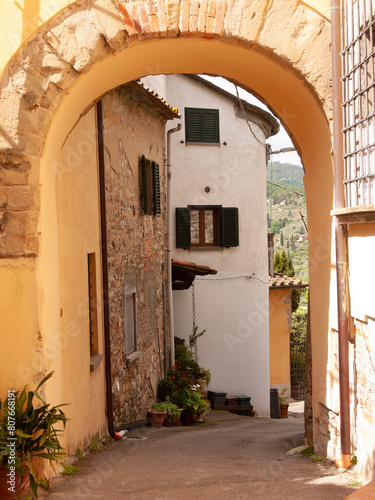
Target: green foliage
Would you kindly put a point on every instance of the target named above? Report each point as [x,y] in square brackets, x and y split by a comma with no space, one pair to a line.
[354,482]
[34,429]
[80,454]
[308,452]
[276,226]
[195,336]
[317,458]
[353,460]
[171,409]
[282,399]
[282,264]
[281,239]
[166,388]
[299,326]
[70,469]
[203,374]
[43,483]
[191,401]
[286,173]
[95,446]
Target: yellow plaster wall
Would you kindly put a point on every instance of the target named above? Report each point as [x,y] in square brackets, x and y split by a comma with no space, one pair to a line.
[280,312]
[72,191]
[18,353]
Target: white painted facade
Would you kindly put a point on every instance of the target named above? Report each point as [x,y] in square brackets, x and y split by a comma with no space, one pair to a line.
[232,306]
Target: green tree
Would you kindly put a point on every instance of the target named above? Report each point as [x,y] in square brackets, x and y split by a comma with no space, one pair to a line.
[284,265]
[299,326]
[275,226]
[281,239]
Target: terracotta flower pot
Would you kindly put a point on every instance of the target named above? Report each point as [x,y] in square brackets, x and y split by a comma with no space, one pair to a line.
[176,421]
[156,417]
[18,484]
[284,411]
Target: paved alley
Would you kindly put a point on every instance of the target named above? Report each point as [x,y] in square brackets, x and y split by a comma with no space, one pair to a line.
[227,457]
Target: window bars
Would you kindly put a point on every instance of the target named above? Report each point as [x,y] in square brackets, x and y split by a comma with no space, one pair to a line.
[358,80]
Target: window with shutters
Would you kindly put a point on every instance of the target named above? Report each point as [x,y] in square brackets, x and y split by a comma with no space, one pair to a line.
[207,226]
[150,186]
[202,126]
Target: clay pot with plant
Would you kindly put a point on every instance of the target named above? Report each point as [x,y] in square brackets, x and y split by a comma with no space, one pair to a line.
[27,434]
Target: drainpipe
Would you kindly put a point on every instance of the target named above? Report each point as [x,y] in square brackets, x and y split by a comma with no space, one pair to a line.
[169,239]
[103,222]
[341,238]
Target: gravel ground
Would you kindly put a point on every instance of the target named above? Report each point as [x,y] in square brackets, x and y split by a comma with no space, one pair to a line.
[227,457]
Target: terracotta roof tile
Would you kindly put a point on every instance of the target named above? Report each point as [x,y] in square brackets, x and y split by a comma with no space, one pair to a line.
[283,281]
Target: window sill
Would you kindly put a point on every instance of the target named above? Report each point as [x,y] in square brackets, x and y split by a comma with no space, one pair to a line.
[202,143]
[358,214]
[95,361]
[133,356]
[204,249]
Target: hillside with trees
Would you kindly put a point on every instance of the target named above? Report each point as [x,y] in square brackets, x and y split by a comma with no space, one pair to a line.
[286,215]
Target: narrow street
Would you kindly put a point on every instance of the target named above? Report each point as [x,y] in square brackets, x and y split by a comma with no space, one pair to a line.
[229,456]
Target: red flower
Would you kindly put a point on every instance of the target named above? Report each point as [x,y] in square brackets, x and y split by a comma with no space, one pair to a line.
[173,377]
[179,367]
[173,366]
[183,376]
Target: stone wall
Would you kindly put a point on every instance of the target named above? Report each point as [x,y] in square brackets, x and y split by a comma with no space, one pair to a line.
[136,249]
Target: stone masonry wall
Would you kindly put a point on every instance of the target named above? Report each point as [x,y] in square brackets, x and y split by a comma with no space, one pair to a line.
[136,250]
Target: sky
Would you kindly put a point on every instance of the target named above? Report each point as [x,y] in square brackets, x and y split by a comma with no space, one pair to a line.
[280,140]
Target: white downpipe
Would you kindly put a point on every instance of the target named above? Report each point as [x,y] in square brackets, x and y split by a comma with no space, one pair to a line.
[169,239]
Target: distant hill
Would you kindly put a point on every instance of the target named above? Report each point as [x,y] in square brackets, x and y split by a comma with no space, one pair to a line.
[283,215]
[285,173]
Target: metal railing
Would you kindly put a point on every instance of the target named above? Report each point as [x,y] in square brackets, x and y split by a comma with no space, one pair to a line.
[358,80]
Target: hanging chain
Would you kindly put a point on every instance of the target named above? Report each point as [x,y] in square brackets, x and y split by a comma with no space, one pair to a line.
[194,319]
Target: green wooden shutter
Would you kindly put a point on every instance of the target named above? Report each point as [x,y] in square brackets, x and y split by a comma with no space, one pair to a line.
[144,184]
[211,125]
[229,236]
[183,238]
[156,187]
[193,125]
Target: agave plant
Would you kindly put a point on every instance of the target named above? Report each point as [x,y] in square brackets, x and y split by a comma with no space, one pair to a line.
[34,430]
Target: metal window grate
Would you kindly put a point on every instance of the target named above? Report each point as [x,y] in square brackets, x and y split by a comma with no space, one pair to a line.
[358,55]
[92,301]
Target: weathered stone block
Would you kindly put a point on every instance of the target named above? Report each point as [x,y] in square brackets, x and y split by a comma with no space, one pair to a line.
[23,198]
[173,17]
[110,22]
[21,223]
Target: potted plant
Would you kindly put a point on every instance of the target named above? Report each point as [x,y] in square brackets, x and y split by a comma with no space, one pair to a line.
[192,402]
[27,433]
[202,379]
[172,411]
[156,415]
[283,404]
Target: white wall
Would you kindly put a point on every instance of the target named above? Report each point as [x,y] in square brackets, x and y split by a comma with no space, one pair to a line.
[233,309]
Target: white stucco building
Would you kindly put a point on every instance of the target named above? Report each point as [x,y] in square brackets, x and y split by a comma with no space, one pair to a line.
[218,210]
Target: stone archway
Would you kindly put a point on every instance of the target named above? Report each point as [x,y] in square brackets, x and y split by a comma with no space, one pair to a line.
[278,50]
[65,49]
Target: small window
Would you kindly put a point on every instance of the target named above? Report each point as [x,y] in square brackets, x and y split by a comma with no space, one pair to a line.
[204,227]
[202,125]
[130,324]
[95,357]
[93,314]
[150,187]
[208,226]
